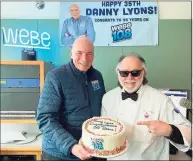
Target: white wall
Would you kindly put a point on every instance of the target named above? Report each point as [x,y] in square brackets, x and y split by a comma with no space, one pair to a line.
[28,10]
[175,10]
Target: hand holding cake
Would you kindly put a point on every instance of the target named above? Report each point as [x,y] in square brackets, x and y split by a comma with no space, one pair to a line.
[80,152]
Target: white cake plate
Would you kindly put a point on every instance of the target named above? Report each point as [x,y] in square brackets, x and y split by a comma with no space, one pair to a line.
[110,156]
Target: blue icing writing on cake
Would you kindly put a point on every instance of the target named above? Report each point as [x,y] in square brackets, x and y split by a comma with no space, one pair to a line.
[97,144]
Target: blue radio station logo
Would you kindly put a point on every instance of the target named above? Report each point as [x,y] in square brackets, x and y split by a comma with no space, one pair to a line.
[121,32]
[97,143]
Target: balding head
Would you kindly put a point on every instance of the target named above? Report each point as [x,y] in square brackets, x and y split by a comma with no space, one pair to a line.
[131,72]
[75,11]
[83,41]
[82,53]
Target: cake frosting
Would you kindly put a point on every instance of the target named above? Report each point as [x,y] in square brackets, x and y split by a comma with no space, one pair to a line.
[102,136]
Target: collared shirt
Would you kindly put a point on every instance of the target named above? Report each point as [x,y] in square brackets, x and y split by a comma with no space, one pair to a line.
[151,105]
[72,29]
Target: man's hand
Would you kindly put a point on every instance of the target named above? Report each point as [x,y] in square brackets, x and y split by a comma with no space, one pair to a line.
[157,128]
[67,34]
[80,152]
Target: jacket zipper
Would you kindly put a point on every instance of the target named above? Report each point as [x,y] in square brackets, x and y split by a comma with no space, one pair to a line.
[86,92]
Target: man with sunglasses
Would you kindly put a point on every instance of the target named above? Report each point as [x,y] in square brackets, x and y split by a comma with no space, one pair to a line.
[149,116]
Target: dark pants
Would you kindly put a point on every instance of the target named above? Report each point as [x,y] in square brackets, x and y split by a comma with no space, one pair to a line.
[46,156]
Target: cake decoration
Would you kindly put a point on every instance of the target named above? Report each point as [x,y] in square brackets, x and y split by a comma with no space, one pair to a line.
[104,137]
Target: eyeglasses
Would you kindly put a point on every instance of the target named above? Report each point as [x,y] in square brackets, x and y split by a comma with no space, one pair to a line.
[134,73]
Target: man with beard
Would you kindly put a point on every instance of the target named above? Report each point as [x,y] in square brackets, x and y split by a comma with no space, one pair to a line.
[149,116]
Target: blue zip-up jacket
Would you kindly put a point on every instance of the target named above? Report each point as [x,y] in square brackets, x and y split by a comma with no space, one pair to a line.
[68,98]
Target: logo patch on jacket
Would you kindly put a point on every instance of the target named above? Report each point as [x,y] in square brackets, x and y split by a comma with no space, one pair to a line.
[95,85]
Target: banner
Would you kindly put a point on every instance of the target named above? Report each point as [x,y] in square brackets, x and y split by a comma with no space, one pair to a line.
[110,23]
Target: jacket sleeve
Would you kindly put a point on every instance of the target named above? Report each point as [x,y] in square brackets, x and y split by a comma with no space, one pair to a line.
[66,38]
[48,115]
[175,118]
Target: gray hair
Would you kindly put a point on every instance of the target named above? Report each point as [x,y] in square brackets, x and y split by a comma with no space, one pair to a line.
[141,59]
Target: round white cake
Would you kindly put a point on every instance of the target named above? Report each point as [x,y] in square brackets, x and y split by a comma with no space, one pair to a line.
[103,137]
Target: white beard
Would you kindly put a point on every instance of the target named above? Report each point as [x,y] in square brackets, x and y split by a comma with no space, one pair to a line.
[135,88]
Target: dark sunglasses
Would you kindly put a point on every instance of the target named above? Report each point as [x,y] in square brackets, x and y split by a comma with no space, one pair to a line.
[134,73]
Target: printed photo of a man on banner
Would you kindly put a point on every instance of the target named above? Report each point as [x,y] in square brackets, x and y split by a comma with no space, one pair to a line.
[75,26]
[110,23]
